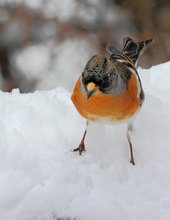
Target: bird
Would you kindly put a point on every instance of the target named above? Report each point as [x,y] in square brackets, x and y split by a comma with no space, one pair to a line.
[109,89]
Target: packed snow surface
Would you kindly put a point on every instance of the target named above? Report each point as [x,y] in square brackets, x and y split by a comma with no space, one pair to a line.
[42,179]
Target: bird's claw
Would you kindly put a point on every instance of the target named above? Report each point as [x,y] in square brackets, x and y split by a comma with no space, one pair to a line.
[132,162]
[81,148]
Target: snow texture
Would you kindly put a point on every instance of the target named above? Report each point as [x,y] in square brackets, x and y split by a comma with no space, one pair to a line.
[41,179]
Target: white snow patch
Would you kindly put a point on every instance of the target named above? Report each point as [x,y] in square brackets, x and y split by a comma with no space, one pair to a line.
[158,81]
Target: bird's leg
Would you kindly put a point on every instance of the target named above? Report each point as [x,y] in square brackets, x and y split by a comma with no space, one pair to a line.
[129,129]
[81,147]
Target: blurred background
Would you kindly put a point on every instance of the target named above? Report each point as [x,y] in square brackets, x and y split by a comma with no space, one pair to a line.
[46,43]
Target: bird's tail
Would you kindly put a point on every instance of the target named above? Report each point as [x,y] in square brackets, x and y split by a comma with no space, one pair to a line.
[134,49]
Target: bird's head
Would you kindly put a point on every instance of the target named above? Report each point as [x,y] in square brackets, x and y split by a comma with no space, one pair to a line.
[97,76]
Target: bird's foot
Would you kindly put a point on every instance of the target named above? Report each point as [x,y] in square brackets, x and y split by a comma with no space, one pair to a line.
[132,162]
[80,149]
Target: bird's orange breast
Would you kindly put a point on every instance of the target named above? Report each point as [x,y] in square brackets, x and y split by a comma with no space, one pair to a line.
[100,106]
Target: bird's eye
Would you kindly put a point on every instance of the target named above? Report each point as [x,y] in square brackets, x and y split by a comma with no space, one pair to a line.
[105,78]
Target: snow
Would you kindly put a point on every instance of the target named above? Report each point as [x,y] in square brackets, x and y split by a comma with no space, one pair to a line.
[159,81]
[41,179]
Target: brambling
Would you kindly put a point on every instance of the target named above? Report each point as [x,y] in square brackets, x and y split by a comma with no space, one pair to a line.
[109,90]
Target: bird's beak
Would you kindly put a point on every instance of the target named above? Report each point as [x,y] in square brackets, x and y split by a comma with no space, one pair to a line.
[90,93]
[91,89]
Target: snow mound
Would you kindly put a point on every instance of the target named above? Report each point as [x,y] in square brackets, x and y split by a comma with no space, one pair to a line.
[41,179]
